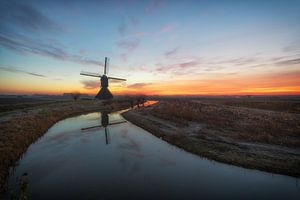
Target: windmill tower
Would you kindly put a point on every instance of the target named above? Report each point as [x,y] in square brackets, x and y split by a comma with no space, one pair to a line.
[104,92]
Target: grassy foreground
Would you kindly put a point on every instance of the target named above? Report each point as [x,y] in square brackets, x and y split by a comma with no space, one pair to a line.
[20,128]
[247,137]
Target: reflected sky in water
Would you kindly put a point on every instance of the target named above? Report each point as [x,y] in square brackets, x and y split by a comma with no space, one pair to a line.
[68,163]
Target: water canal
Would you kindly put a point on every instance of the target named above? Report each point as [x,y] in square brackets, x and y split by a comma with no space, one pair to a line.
[127,162]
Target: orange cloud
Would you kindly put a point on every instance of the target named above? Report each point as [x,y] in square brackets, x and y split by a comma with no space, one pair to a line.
[286,83]
[276,83]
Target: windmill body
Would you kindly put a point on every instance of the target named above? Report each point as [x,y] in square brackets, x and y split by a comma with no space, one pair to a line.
[104,92]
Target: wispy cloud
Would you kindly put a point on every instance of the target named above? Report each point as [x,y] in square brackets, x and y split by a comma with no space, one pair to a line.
[87,84]
[127,25]
[26,17]
[189,64]
[23,44]
[291,48]
[129,44]
[138,85]
[213,68]
[122,28]
[153,5]
[239,61]
[181,65]
[15,16]
[134,21]
[166,28]
[16,70]
[171,52]
[289,62]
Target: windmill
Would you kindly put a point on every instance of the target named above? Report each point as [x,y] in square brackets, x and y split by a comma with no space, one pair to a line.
[104,92]
[105,123]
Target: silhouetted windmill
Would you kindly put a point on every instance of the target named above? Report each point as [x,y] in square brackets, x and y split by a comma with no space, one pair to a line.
[104,123]
[104,93]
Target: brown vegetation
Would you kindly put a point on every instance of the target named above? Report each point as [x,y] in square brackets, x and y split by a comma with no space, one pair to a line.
[249,125]
[252,138]
[291,105]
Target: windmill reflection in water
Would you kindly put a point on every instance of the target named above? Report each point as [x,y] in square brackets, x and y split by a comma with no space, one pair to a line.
[104,124]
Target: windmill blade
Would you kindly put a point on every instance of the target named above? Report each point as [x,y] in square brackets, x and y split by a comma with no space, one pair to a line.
[118,79]
[114,123]
[105,65]
[90,74]
[107,139]
[91,127]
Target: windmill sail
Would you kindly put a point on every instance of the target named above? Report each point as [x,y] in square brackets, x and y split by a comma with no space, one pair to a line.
[105,66]
[90,74]
[91,127]
[118,79]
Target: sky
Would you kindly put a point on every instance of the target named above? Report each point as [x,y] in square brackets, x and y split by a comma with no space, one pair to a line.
[161,47]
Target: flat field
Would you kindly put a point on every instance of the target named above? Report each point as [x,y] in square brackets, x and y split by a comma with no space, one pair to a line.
[256,132]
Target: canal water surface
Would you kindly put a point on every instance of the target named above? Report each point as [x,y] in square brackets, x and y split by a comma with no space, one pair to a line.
[123,161]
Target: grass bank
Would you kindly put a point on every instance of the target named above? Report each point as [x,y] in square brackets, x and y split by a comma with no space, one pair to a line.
[247,137]
[20,128]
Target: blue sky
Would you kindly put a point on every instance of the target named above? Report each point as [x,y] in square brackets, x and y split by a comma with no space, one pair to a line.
[154,42]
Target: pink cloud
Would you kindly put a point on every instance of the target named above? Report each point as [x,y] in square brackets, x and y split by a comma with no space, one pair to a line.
[183,65]
[129,44]
[189,64]
[138,85]
[90,84]
[167,28]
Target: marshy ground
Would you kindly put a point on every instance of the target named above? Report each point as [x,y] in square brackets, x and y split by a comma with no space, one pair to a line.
[260,133]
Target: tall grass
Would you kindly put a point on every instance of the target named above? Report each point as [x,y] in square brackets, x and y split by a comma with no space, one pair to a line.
[236,122]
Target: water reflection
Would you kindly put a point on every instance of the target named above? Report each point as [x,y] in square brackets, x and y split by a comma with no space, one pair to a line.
[70,163]
[20,192]
[104,123]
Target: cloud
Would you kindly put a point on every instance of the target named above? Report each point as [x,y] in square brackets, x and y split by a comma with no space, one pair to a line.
[16,17]
[126,26]
[291,48]
[138,85]
[23,45]
[153,5]
[134,21]
[87,84]
[16,70]
[188,64]
[214,68]
[238,61]
[166,28]
[177,66]
[171,52]
[122,29]
[83,52]
[289,62]
[129,44]
[26,17]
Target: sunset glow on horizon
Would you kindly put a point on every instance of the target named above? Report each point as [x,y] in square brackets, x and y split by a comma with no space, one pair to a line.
[161,47]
